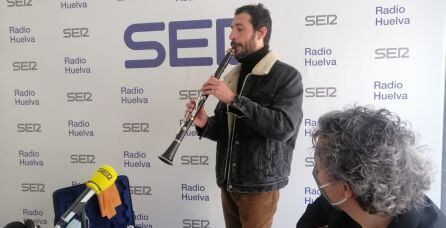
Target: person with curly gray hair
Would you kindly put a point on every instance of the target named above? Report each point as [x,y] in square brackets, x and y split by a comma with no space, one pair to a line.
[370,173]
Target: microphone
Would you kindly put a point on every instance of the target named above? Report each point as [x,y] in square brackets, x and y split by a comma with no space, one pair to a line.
[103,178]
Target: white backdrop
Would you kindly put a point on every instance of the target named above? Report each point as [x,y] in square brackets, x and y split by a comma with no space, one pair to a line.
[70,103]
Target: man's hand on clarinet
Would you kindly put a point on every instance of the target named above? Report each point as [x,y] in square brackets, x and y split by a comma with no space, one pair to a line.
[201,118]
[218,89]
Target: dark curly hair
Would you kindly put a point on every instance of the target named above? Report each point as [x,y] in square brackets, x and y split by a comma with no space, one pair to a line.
[259,17]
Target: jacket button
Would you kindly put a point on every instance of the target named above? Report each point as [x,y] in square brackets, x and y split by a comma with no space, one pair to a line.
[236,142]
[234,165]
[230,186]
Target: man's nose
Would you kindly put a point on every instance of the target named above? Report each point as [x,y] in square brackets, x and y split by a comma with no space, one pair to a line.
[232,36]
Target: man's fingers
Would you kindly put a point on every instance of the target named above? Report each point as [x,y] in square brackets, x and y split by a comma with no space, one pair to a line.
[212,81]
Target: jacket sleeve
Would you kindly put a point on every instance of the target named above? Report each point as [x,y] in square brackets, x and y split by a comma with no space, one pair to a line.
[280,119]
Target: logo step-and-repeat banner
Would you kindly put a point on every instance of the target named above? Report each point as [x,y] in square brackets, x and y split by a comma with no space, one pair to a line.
[86,83]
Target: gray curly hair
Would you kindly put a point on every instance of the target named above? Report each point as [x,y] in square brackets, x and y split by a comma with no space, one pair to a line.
[375,153]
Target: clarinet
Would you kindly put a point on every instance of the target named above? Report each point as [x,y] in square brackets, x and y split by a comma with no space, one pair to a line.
[167,157]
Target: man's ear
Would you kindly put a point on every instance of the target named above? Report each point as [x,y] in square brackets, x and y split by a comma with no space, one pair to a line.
[261,33]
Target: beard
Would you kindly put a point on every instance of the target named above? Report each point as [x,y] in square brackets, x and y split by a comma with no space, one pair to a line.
[243,49]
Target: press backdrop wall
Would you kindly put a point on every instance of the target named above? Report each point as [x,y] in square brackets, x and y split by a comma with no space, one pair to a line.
[87,83]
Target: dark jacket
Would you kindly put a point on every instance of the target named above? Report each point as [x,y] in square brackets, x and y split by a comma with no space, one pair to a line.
[321,214]
[257,132]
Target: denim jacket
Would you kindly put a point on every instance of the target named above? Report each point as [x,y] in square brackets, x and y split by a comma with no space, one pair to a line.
[256,133]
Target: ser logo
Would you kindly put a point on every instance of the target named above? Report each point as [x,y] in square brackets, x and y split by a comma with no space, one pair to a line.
[318,20]
[175,43]
[75,32]
[105,173]
[135,127]
[24,65]
[194,160]
[140,190]
[392,53]
[320,92]
[309,162]
[33,187]
[196,223]
[19,3]
[82,159]
[79,96]
[29,127]
[189,94]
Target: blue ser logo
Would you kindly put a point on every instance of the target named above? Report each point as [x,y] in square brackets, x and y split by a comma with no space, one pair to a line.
[175,43]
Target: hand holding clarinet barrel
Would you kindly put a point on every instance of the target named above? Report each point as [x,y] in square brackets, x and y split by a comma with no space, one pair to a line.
[216,88]
[201,118]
